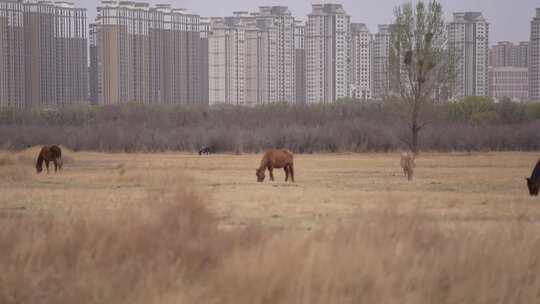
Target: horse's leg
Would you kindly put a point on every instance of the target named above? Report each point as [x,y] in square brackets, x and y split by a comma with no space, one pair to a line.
[271,170]
[55,166]
[47,165]
[291,172]
[286,169]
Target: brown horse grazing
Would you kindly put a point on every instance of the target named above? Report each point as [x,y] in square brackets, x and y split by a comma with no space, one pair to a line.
[48,154]
[407,164]
[533,182]
[276,159]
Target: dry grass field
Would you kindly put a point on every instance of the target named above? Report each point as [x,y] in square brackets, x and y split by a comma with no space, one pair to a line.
[175,228]
[477,187]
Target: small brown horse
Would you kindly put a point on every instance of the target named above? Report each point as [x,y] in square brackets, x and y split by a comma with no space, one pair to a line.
[48,154]
[276,159]
[408,164]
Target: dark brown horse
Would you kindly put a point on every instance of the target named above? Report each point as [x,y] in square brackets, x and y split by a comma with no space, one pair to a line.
[49,154]
[276,159]
[533,182]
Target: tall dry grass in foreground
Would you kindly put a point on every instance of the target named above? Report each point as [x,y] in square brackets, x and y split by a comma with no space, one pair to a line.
[169,249]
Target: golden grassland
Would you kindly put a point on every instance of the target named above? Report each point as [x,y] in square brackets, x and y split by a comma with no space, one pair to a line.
[183,228]
[481,186]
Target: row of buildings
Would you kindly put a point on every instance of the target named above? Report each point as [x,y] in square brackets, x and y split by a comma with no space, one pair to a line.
[157,54]
[43,53]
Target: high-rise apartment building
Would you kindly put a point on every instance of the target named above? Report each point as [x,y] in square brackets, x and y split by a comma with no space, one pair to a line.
[500,55]
[280,22]
[509,82]
[12,56]
[534,58]
[204,30]
[93,69]
[468,36]
[521,54]
[44,53]
[360,61]
[508,54]
[252,57]
[226,55]
[300,62]
[508,72]
[71,54]
[147,54]
[380,60]
[327,38]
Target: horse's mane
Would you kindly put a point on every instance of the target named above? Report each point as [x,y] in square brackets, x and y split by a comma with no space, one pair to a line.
[536,171]
[264,160]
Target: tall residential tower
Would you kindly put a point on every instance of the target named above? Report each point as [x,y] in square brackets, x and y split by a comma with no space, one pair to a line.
[300,62]
[380,60]
[327,39]
[360,62]
[468,35]
[43,53]
[534,58]
[252,57]
[146,54]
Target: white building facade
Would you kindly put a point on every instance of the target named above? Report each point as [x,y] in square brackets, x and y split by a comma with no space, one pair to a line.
[327,39]
[380,59]
[534,58]
[360,62]
[468,35]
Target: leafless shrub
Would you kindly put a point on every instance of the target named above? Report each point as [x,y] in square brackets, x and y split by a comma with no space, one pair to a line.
[306,129]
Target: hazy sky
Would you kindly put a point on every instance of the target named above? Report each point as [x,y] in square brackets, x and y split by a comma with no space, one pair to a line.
[509,19]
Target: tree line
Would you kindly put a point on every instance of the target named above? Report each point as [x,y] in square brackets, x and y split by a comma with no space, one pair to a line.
[475,123]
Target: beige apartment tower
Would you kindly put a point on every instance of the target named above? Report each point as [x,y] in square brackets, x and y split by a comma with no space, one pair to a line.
[43,51]
[300,62]
[380,61]
[204,31]
[360,62]
[146,54]
[508,54]
[280,24]
[226,61]
[534,58]
[327,53]
[509,82]
[12,56]
[468,35]
[252,57]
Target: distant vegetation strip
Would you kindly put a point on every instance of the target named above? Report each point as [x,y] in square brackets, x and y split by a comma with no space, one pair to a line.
[472,124]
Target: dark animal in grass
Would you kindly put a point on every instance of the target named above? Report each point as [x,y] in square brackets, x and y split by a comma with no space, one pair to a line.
[533,182]
[276,159]
[408,164]
[204,150]
[49,154]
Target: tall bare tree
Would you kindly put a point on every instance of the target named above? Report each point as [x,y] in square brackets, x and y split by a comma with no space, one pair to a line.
[421,65]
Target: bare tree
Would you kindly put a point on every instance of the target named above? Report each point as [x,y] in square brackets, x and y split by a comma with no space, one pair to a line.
[421,65]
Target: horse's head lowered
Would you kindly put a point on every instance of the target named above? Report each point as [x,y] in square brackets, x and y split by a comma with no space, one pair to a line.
[39,167]
[260,175]
[534,186]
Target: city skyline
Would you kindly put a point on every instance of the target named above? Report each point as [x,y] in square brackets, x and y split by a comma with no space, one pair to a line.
[372,13]
[165,54]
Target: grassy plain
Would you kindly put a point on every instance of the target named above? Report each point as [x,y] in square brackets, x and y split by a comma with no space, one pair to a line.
[182,228]
[329,187]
